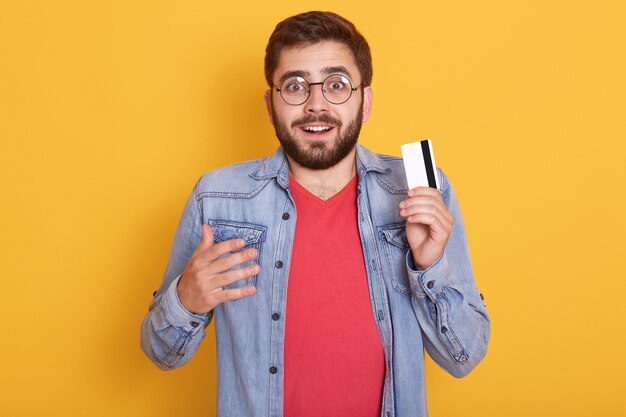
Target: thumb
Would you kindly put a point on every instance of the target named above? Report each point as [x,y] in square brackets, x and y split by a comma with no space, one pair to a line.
[207,236]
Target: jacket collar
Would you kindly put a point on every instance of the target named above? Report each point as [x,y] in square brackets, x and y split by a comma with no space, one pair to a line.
[276,166]
[367,161]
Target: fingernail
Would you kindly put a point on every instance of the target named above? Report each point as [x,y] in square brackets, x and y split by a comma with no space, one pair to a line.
[241,243]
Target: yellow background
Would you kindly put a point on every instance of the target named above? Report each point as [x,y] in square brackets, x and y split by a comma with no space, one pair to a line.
[110,111]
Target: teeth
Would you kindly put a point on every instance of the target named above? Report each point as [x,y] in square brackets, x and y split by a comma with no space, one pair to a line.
[316,128]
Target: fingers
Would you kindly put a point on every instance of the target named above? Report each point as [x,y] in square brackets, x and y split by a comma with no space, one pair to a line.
[418,207]
[200,290]
[437,225]
[210,268]
[426,202]
[234,294]
[230,277]
[424,194]
[219,249]
[214,258]
[207,236]
[423,190]
[208,251]
[205,298]
[214,294]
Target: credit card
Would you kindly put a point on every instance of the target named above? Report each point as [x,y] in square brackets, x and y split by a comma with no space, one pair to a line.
[419,164]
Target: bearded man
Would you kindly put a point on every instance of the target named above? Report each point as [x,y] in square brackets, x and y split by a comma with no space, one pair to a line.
[325,275]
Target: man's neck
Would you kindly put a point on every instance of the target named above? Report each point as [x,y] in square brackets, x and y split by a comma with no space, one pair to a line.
[325,183]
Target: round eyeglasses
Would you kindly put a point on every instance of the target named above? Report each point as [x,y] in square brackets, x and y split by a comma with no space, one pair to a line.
[336,89]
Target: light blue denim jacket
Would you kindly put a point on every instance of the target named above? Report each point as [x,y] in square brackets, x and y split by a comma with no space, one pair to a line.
[439,309]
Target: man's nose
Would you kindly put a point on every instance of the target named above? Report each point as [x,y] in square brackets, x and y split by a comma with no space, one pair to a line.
[316,103]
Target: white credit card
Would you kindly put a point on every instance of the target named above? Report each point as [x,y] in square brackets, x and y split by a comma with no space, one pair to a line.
[419,164]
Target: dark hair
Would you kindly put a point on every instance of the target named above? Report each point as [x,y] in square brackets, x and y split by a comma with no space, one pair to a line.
[313,27]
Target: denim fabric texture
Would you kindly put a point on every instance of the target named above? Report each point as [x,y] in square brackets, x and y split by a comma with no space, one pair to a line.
[438,309]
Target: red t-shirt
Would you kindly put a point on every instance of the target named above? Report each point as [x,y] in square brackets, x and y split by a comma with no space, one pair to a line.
[334,360]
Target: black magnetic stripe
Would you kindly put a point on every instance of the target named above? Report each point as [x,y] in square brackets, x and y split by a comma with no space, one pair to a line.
[430,171]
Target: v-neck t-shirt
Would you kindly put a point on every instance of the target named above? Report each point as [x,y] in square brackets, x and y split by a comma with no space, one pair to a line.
[333,355]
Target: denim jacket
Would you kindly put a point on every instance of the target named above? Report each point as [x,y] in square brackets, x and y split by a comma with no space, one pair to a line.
[438,309]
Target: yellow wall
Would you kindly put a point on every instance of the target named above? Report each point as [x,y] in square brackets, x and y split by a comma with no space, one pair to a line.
[110,110]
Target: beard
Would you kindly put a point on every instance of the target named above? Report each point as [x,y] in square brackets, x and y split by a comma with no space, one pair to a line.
[319,155]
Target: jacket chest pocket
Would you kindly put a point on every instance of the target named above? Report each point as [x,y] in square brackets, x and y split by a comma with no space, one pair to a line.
[396,247]
[252,234]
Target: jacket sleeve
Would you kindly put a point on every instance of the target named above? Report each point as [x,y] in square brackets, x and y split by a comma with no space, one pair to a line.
[170,334]
[450,310]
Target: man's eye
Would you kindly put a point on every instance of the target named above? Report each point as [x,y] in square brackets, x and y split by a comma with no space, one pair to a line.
[295,88]
[336,86]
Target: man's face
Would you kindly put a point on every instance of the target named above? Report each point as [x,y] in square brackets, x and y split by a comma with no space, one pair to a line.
[318,134]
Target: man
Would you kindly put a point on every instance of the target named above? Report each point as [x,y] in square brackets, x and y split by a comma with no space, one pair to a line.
[326,277]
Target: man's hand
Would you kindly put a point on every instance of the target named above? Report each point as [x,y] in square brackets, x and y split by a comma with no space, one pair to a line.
[200,286]
[428,224]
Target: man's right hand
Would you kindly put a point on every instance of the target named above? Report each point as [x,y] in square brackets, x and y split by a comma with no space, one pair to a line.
[200,287]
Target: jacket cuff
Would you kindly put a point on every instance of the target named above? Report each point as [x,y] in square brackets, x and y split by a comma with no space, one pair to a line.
[177,314]
[429,282]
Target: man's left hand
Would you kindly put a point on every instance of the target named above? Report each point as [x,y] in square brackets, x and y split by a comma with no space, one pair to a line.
[428,224]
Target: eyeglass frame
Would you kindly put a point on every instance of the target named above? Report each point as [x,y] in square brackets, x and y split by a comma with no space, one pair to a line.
[352,89]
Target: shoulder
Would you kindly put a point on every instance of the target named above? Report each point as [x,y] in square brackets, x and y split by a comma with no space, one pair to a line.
[235,180]
[393,178]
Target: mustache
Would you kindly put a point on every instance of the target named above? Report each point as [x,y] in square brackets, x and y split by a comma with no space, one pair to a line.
[309,118]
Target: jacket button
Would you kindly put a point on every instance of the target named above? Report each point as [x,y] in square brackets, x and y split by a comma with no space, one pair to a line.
[273,370]
[430,284]
[154,293]
[275,316]
[286,216]
[194,324]
[482,297]
[278,264]
[444,329]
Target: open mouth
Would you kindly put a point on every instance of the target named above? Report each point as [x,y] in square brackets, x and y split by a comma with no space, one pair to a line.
[317,129]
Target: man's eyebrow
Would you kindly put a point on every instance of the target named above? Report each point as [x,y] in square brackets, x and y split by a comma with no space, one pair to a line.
[334,70]
[289,74]
[307,74]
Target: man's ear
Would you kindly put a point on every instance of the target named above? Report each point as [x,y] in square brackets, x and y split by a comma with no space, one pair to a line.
[367,102]
[268,104]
